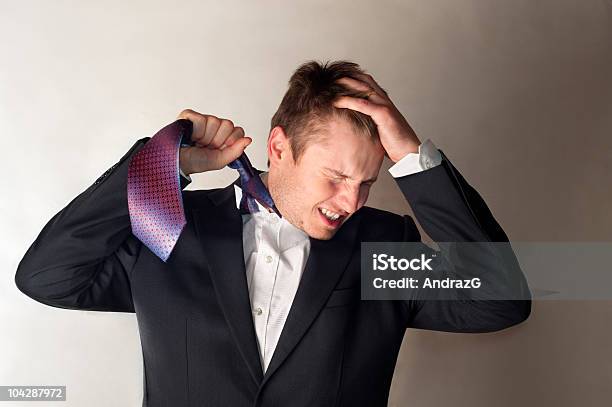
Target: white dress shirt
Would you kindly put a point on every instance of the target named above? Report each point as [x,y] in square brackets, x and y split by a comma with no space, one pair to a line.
[275,254]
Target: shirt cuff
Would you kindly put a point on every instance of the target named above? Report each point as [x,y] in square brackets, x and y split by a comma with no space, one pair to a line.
[427,157]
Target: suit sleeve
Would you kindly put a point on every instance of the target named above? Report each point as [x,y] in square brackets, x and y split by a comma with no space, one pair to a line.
[83,257]
[450,210]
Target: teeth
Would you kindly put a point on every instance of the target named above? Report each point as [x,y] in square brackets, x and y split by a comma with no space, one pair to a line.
[329,214]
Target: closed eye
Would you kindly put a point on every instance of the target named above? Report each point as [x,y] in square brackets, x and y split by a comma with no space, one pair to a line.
[338,177]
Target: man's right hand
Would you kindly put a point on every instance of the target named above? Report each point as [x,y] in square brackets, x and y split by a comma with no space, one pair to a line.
[217,143]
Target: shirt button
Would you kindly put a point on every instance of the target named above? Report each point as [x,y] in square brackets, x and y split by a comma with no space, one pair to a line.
[257,311]
[268,259]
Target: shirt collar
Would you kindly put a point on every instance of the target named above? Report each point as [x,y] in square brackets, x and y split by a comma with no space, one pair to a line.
[238,193]
[291,235]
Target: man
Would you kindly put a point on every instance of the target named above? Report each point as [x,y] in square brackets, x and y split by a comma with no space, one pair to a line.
[255,310]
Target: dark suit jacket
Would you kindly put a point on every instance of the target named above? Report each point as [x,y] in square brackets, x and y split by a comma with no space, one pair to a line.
[198,340]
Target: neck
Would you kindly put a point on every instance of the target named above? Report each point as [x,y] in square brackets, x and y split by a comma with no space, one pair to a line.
[264,179]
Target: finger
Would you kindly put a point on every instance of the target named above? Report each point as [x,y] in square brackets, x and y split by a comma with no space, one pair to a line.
[365,106]
[376,97]
[198,128]
[186,114]
[226,128]
[212,126]
[355,84]
[369,79]
[198,122]
[232,138]
[230,153]
[361,86]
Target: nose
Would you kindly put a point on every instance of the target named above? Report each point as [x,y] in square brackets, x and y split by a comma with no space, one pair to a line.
[351,198]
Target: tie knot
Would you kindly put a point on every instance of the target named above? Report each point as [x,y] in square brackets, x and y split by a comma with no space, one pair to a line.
[253,188]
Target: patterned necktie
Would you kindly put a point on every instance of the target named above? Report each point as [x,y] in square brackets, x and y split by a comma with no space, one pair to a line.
[155,201]
[253,187]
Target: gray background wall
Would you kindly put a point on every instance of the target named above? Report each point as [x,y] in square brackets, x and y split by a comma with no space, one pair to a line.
[517,93]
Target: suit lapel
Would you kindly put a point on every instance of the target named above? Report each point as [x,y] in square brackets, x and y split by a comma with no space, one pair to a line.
[326,262]
[220,232]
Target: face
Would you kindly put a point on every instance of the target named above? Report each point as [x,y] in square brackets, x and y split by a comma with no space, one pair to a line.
[334,175]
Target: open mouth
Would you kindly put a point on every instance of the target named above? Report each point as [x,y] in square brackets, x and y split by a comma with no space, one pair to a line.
[329,218]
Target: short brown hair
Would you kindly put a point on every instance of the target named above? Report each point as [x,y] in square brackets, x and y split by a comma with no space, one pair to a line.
[307,104]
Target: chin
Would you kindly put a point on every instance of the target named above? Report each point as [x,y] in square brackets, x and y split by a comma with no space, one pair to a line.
[315,230]
[325,236]
[321,234]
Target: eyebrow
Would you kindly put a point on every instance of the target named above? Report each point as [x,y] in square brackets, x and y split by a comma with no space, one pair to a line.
[336,172]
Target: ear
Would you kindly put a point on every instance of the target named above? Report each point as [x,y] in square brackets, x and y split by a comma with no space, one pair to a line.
[278,146]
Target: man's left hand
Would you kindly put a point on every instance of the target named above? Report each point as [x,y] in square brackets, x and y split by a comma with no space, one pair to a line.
[396,135]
